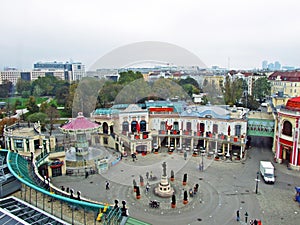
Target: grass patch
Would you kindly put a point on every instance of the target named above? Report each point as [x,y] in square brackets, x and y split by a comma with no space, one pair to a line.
[12,101]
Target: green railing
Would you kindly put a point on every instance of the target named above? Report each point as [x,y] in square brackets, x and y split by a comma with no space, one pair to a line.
[18,166]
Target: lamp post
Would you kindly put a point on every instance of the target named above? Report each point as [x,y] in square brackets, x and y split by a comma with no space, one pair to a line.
[256,189]
[201,166]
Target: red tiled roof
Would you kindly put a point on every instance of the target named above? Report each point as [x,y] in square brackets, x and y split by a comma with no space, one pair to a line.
[293,104]
[286,76]
[80,123]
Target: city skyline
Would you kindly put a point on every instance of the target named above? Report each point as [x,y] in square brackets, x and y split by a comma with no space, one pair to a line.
[231,34]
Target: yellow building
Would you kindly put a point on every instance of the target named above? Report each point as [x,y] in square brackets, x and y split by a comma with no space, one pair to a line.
[285,83]
[30,143]
[214,82]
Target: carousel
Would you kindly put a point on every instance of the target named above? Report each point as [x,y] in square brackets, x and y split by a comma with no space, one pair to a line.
[81,128]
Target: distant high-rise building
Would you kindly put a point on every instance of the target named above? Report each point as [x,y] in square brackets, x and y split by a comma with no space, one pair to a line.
[277,66]
[271,66]
[264,64]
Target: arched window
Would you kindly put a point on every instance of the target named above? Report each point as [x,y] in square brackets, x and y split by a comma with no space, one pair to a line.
[125,126]
[133,126]
[105,128]
[202,127]
[287,128]
[215,128]
[143,125]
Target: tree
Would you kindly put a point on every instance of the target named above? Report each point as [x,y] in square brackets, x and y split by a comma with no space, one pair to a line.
[18,103]
[232,90]
[31,105]
[6,89]
[250,102]
[190,85]
[23,86]
[6,122]
[61,95]
[35,117]
[43,107]
[189,80]
[52,114]
[261,88]
[129,76]
[108,93]
[70,97]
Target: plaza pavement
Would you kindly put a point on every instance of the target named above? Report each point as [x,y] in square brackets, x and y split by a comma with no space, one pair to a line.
[202,207]
[224,188]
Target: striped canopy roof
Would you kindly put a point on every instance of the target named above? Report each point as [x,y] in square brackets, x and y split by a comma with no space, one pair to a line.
[80,123]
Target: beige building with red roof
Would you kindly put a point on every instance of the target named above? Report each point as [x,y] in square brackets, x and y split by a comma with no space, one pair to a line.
[285,83]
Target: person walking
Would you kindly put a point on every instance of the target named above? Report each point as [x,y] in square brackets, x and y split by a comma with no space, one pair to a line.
[185,155]
[246,217]
[238,215]
[107,185]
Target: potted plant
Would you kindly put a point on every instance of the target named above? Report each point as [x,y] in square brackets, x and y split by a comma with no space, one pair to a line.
[138,193]
[172,175]
[185,198]
[184,179]
[173,202]
[217,158]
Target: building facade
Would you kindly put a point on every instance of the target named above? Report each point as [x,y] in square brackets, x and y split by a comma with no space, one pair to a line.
[30,143]
[286,141]
[285,83]
[70,71]
[213,128]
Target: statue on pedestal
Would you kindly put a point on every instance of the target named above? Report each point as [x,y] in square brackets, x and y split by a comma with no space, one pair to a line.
[164,165]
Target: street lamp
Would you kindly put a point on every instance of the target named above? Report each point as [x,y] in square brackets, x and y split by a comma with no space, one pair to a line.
[257,180]
[201,166]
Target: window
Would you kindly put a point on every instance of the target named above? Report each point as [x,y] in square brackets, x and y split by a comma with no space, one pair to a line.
[238,130]
[188,126]
[125,126]
[202,127]
[56,172]
[287,128]
[176,126]
[105,140]
[134,126]
[215,128]
[162,125]
[143,125]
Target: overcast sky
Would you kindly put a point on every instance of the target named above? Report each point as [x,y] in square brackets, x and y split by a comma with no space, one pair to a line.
[235,33]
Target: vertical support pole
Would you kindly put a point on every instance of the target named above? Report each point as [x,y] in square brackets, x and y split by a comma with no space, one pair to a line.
[43,201]
[30,195]
[84,216]
[51,206]
[72,214]
[36,193]
[61,209]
